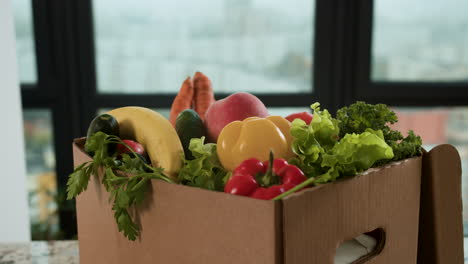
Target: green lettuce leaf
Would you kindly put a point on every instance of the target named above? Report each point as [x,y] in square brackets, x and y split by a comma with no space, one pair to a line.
[322,155]
[306,147]
[325,127]
[205,170]
[311,141]
[360,116]
[360,138]
[355,153]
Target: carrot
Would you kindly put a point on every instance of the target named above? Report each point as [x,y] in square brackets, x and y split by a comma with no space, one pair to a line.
[182,101]
[204,96]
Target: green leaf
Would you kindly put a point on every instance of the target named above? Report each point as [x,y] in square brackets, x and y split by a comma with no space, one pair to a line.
[325,127]
[124,191]
[307,148]
[97,143]
[311,141]
[360,116]
[365,140]
[122,198]
[131,164]
[355,153]
[205,170]
[408,147]
[139,190]
[126,225]
[322,155]
[78,181]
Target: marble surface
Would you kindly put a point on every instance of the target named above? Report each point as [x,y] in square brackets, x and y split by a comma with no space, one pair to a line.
[66,252]
[40,252]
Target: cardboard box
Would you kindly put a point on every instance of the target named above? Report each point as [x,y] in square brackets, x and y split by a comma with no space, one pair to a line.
[182,224]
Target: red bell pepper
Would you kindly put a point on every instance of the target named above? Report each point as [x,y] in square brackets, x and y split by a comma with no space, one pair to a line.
[261,180]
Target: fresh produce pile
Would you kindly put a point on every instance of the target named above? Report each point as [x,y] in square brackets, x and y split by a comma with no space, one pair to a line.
[233,145]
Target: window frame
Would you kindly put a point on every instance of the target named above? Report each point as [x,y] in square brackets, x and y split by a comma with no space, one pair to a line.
[396,93]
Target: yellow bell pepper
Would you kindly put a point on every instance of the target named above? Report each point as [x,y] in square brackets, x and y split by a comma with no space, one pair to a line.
[254,137]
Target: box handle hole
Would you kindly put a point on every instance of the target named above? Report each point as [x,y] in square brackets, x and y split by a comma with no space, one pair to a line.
[361,248]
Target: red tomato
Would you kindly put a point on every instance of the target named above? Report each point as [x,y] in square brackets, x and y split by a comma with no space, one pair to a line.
[305,116]
[137,147]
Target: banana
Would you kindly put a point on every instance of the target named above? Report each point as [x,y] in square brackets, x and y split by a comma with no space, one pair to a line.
[155,133]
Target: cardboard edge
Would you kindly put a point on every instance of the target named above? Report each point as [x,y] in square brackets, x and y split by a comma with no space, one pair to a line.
[79,141]
[279,236]
[369,171]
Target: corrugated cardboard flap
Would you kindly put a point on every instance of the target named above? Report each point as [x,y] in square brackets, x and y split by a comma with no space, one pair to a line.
[441,225]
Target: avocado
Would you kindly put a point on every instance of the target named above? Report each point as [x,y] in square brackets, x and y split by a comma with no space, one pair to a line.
[189,125]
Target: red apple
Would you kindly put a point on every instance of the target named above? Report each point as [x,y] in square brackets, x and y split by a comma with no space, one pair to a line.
[237,106]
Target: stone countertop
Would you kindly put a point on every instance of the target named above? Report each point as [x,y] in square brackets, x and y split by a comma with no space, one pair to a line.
[40,252]
[66,252]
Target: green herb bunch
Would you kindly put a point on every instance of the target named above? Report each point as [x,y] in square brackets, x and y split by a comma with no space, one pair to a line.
[357,139]
[360,116]
[127,180]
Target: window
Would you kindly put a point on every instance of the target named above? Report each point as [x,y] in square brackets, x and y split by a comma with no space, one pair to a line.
[420,40]
[242,45]
[25,41]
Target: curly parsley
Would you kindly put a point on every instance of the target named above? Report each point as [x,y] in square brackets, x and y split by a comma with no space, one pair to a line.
[360,116]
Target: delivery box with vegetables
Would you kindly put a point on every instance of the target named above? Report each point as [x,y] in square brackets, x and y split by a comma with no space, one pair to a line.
[233,146]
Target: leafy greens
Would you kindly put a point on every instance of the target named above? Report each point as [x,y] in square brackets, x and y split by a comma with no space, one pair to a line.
[360,116]
[358,139]
[355,153]
[352,154]
[125,190]
[205,170]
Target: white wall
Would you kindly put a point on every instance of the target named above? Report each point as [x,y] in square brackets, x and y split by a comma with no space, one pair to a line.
[14,217]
